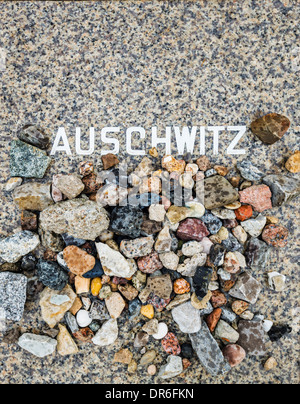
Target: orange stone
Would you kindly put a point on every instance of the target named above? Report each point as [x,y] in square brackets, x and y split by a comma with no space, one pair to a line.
[78,261]
[181,286]
[213,319]
[244,212]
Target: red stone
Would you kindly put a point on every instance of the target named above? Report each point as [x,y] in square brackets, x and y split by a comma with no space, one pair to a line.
[275,235]
[158,302]
[244,212]
[150,263]
[170,344]
[234,354]
[218,299]
[192,229]
[213,319]
[258,196]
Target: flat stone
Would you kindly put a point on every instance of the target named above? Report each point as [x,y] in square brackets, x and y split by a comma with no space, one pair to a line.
[78,218]
[148,358]
[190,265]
[138,247]
[107,334]
[249,171]
[176,214]
[115,305]
[27,161]
[172,368]
[276,281]
[252,337]
[270,128]
[191,248]
[218,192]
[12,295]
[37,345]
[257,253]
[113,262]
[187,318]
[246,288]
[254,227]
[283,187]
[78,261]
[178,300]
[65,343]
[34,135]
[209,352]
[201,281]
[51,313]
[13,248]
[128,291]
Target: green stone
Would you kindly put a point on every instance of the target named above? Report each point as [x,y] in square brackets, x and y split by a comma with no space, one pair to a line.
[27,161]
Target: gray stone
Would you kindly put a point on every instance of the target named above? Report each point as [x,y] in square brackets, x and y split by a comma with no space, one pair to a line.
[34,135]
[249,171]
[254,227]
[283,188]
[52,275]
[187,318]
[252,337]
[71,322]
[37,345]
[209,352]
[113,262]
[69,185]
[77,217]
[257,253]
[13,248]
[138,247]
[98,311]
[226,333]
[12,295]
[246,288]
[172,368]
[107,334]
[27,161]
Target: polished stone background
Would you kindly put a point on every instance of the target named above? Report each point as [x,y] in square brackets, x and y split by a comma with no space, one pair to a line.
[152,63]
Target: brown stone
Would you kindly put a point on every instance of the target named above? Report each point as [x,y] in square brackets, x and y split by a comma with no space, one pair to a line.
[82,285]
[86,168]
[78,261]
[270,128]
[128,291]
[29,221]
[123,356]
[92,183]
[239,306]
[221,170]
[218,299]
[234,354]
[84,334]
[50,255]
[109,160]
[77,305]
[203,163]
[213,319]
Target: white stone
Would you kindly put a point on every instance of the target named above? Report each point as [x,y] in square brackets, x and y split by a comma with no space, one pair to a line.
[13,248]
[254,227]
[190,265]
[276,281]
[187,317]
[83,318]
[113,262]
[206,244]
[197,210]
[162,331]
[107,334]
[58,300]
[157,213]
[37,345]
[170,260]
[172,368]
[191,248]
[13,183]
[240,234]
[224,214]
[226,333]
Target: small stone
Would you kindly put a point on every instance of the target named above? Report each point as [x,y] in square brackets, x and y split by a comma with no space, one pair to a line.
[128,291]
[65,343]
[192,229]
[92,184]
[181,286]
[96,286]
[105,292]
[254,226]
[201,281]
[257,253]
[178,299]
[270,128]
[138,247]
[173,165]
[284,188]
[276,281]
[234,354]
[170,344]
[77,305]
[217,254]
[186,180]
[270,364]
[113,262]
[34,135]
[109,160]
[212,223]
[12,295]
[252,337]
[78,261]
[244,212]
[147,311]
[293,163]
[107,334]
[226,333]
[172,368]
[82,285]
[218,192]
[70,185]
[13,248]
[132,367]
[51,275]
[37,345]
[213,319]
[246,288]
[86,168]
[258,196]
[127,221]
[157,213]
[201,304]
[151,185]
[151,327]
[148,358]
[115,305]
[164,241]
[233,206]
[218,299]
[249,171]
[196,209]
[187,318]
[240,234]
[123,356]
[192,248]
[170,260]
[247,315]
[29,221]
[224,214]
[192,168]
[176,214]
[13,183]
[141,340]
[83,318]
[278,331]
[84,335]
[203,163]
[150,263]
[239,307]
[153,152]
[221,170]
[162,330]
[58,300]
[27,161]
[275,235]
[152,370]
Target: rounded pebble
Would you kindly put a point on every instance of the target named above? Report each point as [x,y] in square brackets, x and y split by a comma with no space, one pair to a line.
[162,331]
[83,318]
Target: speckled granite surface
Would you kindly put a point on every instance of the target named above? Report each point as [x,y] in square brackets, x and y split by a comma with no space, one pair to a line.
[152,63]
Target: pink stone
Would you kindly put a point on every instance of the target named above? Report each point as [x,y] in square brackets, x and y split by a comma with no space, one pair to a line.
[258,196]
[234,354]
[150,263]
[192,229]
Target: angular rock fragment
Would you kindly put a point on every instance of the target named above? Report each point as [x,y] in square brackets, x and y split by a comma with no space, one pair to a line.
[283,187]
[249,171]
[52,275]
[78,261]
[192,229]
[65,343]
[258,196]
[27,161]
[187,318]
[254,227]
[113,262]
[34,135]
[218,192]
[37,345]
[201,281]
[252,337]
[208,352]
[107,334]
[246,288]
[12,295]
[226,333]
[69,185]
[115,305]
[173,368]
[293,163]
[270,128]
[127,221]
[257,253]
[13,248]
[138,247]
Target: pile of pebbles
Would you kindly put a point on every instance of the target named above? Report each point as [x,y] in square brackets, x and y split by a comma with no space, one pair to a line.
[181,239]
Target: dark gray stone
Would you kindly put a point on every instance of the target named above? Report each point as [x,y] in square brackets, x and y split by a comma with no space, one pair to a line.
[127,221]
[283,188]
[246,288]
[12,295]
[212,222]
[252,337]
[257,253]
[52,275]
[34,135]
